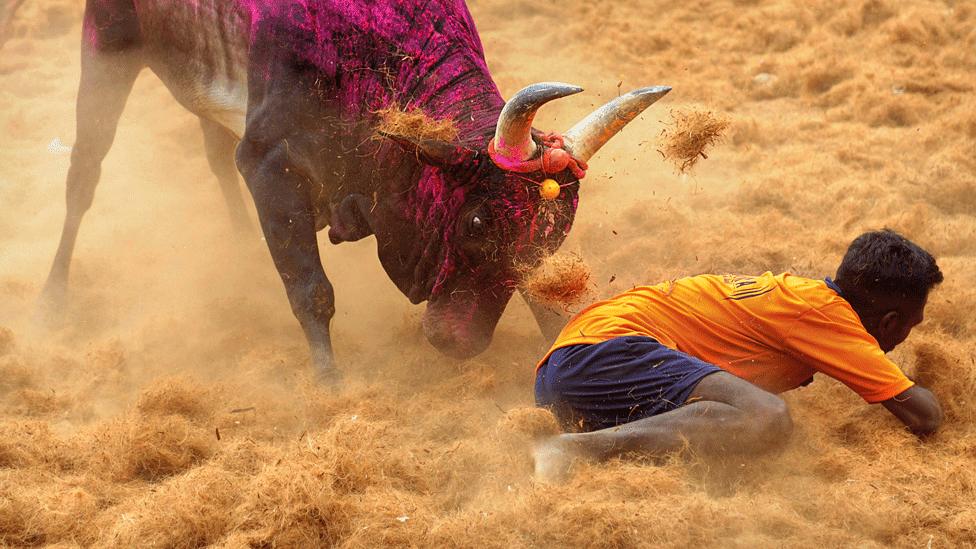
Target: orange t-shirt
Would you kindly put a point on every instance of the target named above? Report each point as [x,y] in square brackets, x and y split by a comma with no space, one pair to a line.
[774,331]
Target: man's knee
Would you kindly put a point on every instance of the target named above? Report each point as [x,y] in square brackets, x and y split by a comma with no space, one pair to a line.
[773,423]
[769,421]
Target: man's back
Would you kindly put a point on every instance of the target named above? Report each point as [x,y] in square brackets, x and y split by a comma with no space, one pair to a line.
[774,331]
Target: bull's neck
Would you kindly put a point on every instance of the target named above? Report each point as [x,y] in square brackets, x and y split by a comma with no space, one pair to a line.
[455,84]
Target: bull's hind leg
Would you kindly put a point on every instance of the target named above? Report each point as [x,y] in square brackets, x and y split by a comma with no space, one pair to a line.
[106,81]
[220,145]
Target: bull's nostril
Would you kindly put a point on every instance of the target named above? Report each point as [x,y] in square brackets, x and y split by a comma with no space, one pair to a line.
[439,339]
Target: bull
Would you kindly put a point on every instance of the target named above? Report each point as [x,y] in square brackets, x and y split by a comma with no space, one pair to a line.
[287,93]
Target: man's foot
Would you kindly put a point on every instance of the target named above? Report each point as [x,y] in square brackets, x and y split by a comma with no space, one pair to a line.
[554,458]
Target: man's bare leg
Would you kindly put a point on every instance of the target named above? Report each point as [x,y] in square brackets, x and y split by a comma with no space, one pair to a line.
[724,414]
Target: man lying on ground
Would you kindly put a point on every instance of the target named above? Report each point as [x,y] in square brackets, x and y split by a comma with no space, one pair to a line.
[697,362]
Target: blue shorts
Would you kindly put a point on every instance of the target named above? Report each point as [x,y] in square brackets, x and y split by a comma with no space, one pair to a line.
[623,379]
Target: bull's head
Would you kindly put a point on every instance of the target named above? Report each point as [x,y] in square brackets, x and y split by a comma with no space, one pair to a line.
[477,216]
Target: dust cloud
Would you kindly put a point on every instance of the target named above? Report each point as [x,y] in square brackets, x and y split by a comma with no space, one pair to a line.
[174,406]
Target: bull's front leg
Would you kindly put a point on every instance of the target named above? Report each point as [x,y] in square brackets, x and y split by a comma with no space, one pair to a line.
[285,211]
[550,320]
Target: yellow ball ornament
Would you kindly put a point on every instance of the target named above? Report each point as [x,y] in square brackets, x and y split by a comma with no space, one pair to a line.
[549,189]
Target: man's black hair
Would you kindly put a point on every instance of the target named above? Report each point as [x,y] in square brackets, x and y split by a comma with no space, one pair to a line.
[884,264]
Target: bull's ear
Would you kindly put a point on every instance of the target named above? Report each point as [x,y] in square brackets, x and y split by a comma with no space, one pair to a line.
[434,152]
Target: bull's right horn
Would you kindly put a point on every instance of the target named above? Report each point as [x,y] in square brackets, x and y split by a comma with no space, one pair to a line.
[593,132]
[513,136]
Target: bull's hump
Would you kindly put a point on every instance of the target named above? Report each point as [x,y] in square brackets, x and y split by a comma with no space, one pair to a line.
[199,48]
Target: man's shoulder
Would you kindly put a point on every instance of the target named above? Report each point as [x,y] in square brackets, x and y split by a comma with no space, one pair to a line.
[824,305]
[798,298]
[815,292]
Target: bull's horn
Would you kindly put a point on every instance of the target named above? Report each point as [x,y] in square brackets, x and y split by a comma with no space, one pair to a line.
[591,133]
[513,135]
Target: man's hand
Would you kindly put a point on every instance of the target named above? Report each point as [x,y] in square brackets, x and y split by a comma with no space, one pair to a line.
[918,409]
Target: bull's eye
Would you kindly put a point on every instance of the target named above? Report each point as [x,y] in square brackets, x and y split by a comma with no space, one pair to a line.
[476,226]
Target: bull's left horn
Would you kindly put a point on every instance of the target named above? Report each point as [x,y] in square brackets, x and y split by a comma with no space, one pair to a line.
[513,135]
[593,132]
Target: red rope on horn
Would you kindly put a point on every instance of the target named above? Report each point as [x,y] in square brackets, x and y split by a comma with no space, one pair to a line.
[554,158]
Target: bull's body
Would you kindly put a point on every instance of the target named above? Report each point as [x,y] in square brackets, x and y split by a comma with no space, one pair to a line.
[356,56]
[293,86]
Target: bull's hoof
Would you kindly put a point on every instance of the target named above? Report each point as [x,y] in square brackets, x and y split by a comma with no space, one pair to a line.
[328,377]
[323,364]
[50,310]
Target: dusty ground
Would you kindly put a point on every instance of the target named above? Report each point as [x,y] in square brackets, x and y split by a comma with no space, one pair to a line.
[174,409]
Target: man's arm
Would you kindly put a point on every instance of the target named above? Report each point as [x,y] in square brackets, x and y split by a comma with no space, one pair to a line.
[918,409]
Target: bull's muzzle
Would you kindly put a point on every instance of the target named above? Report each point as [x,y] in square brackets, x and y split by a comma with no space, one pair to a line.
[463,329]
